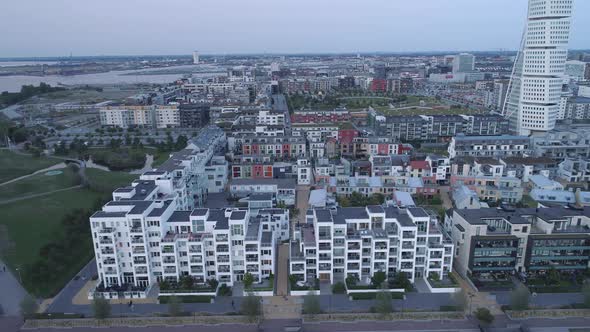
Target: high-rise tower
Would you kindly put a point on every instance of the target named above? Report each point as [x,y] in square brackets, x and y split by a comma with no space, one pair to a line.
[535,86]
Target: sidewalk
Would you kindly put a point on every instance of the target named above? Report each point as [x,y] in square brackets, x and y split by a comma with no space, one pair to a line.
[11,292]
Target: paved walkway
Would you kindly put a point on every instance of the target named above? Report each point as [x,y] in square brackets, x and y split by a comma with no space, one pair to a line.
[283,270]
[38,195]
[479,299]
[301,203]
[149,160]
[11,292]
[421,286]
[50,168]
[279,307]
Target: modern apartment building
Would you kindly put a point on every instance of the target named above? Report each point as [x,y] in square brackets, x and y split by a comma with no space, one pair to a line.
[507,240]
[488,178]
[536,83]
[359,241]
[155,116]
[463,63]
[283,190]
[490,146]
[438,127]
[141,242]
[336,115]
[567,141]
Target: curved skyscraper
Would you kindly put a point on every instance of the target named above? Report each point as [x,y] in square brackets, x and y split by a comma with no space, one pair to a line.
[535,86]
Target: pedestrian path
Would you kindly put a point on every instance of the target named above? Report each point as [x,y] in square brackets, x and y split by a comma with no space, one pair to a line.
[281,307]
[11,291]
[477,299]
[283,270]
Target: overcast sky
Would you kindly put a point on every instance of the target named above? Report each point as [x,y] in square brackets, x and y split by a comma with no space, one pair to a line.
[116,27]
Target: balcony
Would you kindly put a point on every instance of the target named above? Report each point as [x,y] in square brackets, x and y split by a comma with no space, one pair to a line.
[138,250]
[168,249]
[107,251]
[106,240]
[196,261]
[106,230]
[137,240]
[136,230]
[168,260]
[139,260]
[141,270]
[110,261]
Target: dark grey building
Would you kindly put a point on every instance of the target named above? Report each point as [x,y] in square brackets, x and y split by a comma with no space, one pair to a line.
[194,115]
[439,127]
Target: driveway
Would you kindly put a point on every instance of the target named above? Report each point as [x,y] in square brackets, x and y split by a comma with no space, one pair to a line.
[283,270]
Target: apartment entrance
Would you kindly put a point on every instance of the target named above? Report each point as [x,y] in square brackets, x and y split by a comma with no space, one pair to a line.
[324,276]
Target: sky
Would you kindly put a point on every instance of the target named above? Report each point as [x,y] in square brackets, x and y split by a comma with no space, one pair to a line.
[31,28]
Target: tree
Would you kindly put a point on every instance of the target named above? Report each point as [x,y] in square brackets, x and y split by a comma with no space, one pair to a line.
[434,276]
[484,315]
[311,304]
[174,306]
[101,308]
[339,288]
[401,280]
[248,280]
[586,294]
[460,300]
[187,282]
[251,307]
[553,276]
[378,279]
[213,283]
[28,306]
[520,297]
[383,303]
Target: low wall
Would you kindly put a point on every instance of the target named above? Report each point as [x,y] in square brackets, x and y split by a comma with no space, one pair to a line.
[304,292]
[133,321]
[441,289]
[548,313]
[351,317]
[375,290]
[260,293]
[188,294]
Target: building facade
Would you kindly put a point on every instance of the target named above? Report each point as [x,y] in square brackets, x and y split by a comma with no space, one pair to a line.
[535,88]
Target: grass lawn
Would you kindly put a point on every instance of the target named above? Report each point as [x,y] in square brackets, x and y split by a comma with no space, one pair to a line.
[13,165]
[529,201]
[35,222]
[111,179]
[39,183]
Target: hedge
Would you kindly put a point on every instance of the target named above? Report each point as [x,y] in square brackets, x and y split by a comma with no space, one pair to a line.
[187,299]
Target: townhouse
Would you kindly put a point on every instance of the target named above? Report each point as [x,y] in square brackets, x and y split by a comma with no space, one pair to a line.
[283,190]
[490,146]
[506,240]
[337,115]
[360,241]
[278,146]
[488,178]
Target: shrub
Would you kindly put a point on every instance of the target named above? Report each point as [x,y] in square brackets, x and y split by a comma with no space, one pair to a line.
[484,315]
[311,304]
[224,290]
[174,306]
[28,306]
[378,279]
[520,297]
[339,288]
[101,308]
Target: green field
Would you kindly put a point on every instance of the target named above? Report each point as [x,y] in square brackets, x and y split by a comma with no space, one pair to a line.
[13,165]
[39,183]
[33,223]
[424,111]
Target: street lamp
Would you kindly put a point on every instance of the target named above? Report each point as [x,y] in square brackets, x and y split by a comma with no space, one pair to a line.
[471,296]
[19,275]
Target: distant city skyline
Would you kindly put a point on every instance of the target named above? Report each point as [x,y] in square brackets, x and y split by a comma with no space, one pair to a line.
[109,27]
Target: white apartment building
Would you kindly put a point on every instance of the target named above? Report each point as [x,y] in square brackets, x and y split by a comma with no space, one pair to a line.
[155,116]
[463,63]
[217,172]
[360,241]
[535,88]
[266,117]
[139,243]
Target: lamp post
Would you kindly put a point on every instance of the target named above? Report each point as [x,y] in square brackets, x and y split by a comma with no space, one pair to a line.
[20,278]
